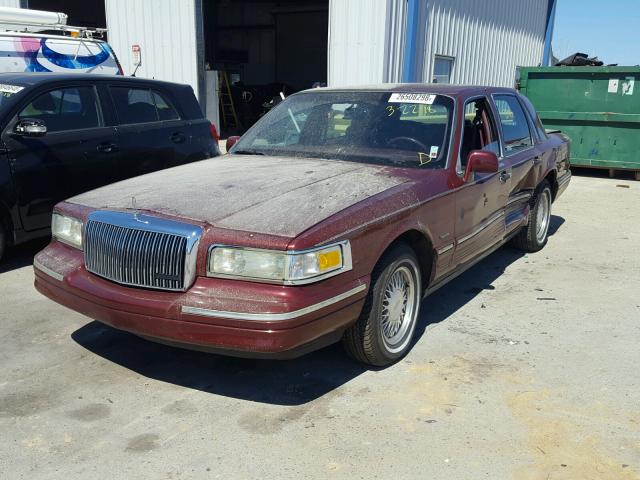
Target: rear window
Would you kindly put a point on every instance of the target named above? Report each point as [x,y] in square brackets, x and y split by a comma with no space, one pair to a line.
[141,105]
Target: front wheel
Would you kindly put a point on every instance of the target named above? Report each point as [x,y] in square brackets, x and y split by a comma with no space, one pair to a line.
[383,333]
[533,237]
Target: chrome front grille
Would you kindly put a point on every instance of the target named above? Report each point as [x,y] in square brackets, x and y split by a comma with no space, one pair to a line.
[140,250]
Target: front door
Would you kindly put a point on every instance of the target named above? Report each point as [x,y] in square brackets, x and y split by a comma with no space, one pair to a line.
[74,155]
[480,222]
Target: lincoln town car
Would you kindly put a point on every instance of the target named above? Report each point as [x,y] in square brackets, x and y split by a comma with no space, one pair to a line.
[329,220]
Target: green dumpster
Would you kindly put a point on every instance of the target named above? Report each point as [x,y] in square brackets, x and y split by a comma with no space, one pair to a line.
[597,107]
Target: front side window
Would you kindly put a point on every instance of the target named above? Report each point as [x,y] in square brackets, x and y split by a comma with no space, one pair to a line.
[478,132]
[513,122]
[395,129]
[64,109]
[141,105]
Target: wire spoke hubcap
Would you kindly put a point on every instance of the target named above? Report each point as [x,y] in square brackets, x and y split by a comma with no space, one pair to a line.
[399,305]
[543,215]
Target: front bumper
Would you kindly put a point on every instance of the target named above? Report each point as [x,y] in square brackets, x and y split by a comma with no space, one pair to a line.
[230,316]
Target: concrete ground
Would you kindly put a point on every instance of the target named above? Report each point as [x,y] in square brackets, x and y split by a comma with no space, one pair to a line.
[525,367]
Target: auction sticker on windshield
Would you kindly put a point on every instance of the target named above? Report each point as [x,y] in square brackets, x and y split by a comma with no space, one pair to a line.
[424,98]
[9,89]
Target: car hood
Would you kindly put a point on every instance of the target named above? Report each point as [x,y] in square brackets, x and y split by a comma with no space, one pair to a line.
[272,195]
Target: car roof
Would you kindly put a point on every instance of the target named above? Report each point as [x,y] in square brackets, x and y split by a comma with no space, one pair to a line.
[436,88]
[38,78]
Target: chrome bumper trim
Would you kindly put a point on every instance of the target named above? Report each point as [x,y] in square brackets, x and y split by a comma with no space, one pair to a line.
[267,317]
[48,271]
[564,179]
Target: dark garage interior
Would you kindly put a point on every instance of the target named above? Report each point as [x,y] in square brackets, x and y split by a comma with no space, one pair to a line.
[82,13]
[264,48]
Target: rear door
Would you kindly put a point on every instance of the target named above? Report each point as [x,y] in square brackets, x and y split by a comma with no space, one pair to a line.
[152,134]
[519,155]
[73,157]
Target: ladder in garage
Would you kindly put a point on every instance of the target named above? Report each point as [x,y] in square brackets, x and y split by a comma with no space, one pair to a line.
[228,109]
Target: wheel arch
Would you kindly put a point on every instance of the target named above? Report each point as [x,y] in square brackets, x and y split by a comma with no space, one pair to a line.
[420,242]
[552,178]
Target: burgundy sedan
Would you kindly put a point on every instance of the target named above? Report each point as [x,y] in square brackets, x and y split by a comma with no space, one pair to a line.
[330,219]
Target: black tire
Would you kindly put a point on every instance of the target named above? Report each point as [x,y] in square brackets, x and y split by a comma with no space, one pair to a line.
[370,339]
[534,236]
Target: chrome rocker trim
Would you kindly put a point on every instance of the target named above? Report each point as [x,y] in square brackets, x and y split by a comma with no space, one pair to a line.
[268,317]
[495,217]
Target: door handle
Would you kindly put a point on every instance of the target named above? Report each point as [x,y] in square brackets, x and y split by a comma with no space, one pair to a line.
[504,176]
[178,137]
[107,147]
[537,160]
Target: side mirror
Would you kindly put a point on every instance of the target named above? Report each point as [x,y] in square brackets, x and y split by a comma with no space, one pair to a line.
[231,141]
[481,161]
[30,127]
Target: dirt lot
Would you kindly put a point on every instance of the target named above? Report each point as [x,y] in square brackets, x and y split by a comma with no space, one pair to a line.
[526,367]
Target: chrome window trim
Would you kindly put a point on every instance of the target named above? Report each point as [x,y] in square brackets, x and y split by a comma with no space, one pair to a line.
[347,263]
[139,221]
[459,170]
[502,144]
[269,317]
[495,217]
[48,271]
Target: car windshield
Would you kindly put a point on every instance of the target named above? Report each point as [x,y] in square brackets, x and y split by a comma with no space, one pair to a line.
[7,91]
[385,128]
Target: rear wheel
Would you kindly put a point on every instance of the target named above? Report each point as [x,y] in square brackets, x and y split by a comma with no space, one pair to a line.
[533,237]
[383,333]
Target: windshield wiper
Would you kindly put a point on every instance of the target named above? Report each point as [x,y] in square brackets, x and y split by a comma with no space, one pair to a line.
[247,152]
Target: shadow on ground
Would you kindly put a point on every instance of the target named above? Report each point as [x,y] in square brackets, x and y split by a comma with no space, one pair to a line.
[287,382]
[22,255]
[602,173]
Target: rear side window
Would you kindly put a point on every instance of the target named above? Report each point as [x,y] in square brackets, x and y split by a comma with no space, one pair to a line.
[513,122]
[64,109]
[542,133]
[165,110]
[138,105]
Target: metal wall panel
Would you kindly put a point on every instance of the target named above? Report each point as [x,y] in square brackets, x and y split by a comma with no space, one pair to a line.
[167,33]
[487,39]
[366,41]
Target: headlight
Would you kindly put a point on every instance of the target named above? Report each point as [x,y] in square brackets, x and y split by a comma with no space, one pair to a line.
[67,230]
[275,266]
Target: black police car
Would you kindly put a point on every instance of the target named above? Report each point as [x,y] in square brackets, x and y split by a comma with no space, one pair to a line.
[63,134]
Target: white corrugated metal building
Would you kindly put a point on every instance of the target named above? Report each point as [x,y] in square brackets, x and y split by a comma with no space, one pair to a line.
[291,44]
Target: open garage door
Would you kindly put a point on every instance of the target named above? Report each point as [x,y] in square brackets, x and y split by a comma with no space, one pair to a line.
[82,13]
[263,48]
